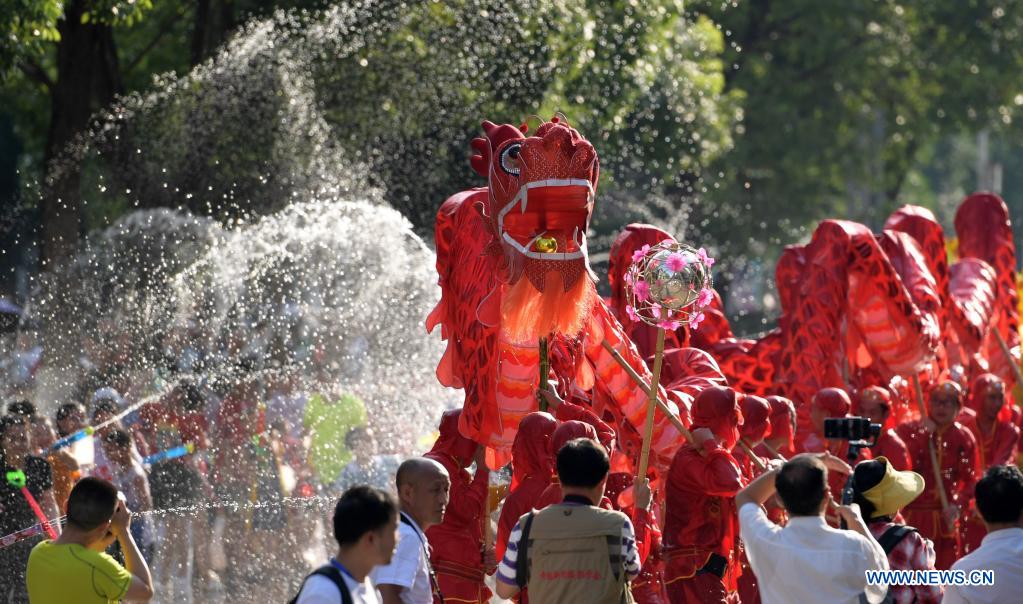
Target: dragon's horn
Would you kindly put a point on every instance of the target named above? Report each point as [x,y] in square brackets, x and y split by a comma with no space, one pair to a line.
[490,128]
[480,160]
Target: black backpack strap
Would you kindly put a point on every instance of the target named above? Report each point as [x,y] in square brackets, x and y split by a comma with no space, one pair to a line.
[521,559]
[328,571]
[893,536]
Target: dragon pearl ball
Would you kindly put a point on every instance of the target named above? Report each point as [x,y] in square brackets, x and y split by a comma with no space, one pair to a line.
[674,289]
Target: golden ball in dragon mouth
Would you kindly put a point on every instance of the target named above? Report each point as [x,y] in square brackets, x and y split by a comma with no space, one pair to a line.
[546,245]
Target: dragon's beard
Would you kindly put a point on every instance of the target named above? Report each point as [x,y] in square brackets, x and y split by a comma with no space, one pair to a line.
[529,314]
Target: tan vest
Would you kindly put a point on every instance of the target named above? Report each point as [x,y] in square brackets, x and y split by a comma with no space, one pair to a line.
[575,556]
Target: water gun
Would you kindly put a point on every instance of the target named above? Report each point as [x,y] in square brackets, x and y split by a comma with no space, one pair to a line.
[26,533]
[172,453]
[72,438]
[16,478]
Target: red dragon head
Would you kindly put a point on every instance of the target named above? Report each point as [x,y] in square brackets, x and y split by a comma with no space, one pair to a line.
[541,191]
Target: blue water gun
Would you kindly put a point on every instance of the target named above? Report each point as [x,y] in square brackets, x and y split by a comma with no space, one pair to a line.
[172,453]
[72,438]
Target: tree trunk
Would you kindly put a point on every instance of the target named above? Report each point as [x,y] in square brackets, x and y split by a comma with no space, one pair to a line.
[214,20]
[88,77]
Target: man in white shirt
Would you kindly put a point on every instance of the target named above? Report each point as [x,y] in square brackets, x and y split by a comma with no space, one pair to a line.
[1000,501]
[423,486]
[807,560]
[366,529]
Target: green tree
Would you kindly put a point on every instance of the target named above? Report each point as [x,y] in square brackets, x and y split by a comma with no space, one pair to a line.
[61,62]
[843,101]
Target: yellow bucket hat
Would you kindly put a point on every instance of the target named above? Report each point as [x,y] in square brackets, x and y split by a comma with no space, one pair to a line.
[894,491]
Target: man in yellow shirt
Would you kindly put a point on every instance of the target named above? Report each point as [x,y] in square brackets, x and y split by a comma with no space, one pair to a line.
[74,568]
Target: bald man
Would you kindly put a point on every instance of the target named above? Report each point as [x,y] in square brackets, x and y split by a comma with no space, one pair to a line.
[423,486]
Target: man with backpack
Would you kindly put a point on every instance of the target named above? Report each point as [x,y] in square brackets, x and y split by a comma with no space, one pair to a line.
[881,491]
[573,551]
[366,529]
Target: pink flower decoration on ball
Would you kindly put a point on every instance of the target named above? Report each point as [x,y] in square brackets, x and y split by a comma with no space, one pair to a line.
[706,297]
[638,254]
[704,258]
[629,310]
[695,320]
[668,325]
[676,262]
[642,290]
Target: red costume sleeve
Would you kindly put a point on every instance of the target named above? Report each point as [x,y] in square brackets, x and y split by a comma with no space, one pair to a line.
[891,446]
[567,411]
[906,432]
[648,534]
[1003,450]
[468,502]
[518,502]
[718,476]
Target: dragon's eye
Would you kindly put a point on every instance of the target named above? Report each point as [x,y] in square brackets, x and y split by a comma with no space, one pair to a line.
[510,158]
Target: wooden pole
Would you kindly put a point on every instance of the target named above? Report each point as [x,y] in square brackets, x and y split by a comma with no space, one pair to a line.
[675,421]
[646,388]
[774,452]
[648,430]
[752,456]
[1008,357]
[545,370]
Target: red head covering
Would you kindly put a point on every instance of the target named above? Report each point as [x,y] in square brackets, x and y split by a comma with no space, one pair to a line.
[756,412]
[632,238]
[531,449]
[833,401]
[717,408]
[451,442]
[978,392]
[571,430]
[878,393]
[783,416]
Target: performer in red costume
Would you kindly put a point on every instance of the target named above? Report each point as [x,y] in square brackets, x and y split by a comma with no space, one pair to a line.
[756,414]
[781,439]
[779,442]
[569,430]
[701,529]
[830,403]
[988,416]
[576,422]
[532,472]
[457,543]
[642,509]
[939,436]
[876,403]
